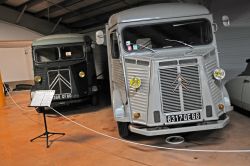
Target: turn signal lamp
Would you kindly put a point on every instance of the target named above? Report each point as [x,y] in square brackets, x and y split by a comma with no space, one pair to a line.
[219,74]
[38,79]
[136,115]
[81,74]
[135,82]
[221,107]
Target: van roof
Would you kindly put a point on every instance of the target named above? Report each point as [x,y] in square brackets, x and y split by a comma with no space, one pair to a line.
[157,11]
[59,39]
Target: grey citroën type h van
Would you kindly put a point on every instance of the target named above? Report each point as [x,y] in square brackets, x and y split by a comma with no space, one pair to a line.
[164,70]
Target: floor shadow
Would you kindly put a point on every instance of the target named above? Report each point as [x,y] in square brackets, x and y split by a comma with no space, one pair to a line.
[79,108]
[191,139]
[76,138]
[242,111]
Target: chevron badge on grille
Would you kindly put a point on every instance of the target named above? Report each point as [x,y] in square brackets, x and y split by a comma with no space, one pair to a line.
[181,82]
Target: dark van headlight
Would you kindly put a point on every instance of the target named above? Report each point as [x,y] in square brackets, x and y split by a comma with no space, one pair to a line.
[38,79]
[81,74]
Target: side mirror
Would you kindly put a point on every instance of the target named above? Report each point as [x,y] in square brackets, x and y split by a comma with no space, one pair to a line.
[226,21]
[215,26]
[99,37]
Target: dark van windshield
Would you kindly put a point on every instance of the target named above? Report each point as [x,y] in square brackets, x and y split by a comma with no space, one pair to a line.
[71,52]
[51,54]
[46,54]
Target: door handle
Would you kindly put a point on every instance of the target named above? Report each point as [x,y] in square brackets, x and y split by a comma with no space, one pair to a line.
[246,81]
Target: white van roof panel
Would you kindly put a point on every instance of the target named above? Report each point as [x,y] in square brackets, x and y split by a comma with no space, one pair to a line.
[157,11]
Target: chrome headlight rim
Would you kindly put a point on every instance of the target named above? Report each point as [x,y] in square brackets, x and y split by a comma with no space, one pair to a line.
[219,74]
[135,82]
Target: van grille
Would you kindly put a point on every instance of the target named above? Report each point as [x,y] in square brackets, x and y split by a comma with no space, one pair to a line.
[170,98]
[138,98]
[117,73]
[192,96]
[176,98]
[59,80]
[210,66]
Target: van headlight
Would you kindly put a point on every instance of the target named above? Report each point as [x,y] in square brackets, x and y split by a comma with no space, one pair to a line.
[135,82]
[82,74]
[38,79]
[219,74]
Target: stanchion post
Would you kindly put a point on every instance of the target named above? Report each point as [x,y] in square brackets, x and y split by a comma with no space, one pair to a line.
[2,97]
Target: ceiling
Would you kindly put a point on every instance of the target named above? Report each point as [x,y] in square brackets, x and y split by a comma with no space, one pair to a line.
[73,15]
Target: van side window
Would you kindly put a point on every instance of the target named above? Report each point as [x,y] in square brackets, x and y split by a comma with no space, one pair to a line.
[114,46]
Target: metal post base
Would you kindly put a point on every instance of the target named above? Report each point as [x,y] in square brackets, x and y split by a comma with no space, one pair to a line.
[46,133]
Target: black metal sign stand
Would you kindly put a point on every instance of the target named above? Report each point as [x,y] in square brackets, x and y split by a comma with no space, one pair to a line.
[46,133]
[42,99]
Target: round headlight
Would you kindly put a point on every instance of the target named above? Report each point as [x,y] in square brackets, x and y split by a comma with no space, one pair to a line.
[81,74]
[219,74]
[135,82]
[38,79]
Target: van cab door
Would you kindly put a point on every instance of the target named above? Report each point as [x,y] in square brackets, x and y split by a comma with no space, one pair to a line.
[117,80]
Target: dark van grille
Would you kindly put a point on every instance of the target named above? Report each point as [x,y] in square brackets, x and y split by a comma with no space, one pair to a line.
[59,80]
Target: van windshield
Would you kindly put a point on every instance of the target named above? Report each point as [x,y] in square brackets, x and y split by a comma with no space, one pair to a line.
[167,35]
[46,54]
[51,54]
[71,52]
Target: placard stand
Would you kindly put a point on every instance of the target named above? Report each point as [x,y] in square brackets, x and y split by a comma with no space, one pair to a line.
[43,99]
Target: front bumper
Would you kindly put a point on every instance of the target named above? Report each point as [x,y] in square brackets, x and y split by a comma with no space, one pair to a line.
[199,127]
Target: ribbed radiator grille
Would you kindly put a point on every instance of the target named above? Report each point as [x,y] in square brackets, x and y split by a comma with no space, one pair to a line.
[192,96]
[175,97]
[170,98]
[210,66]
[139,97]
[117,73]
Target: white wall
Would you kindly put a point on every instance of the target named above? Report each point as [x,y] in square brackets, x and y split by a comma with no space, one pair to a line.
[15,52]
[13,32]
[16,64]
[234,41]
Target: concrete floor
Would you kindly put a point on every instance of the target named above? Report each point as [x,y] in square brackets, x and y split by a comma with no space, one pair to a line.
[82,147]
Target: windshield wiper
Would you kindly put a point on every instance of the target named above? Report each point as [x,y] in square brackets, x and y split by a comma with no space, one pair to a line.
[181,42]
[145,46]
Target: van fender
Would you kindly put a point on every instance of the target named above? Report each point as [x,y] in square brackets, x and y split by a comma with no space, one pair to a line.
[227,102]
[118,107]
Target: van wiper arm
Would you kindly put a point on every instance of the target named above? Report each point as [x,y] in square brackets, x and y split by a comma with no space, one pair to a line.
[145,46]
[181,42]
[152,50]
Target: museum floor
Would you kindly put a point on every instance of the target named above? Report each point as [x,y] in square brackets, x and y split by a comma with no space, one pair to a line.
[82,147]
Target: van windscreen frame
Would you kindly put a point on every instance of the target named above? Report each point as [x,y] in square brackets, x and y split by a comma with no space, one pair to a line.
[68,53]
[166,35]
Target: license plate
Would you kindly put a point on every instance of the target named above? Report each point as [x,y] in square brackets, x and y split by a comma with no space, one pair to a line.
[62,96]
[183,117]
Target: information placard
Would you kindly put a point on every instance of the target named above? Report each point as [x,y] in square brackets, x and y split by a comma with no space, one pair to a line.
[42,98]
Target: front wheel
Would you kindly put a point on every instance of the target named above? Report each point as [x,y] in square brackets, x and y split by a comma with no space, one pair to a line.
[94,100]
[123,129]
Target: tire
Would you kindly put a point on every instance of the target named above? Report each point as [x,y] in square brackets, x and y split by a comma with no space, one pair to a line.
[94,100]
[123,129]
